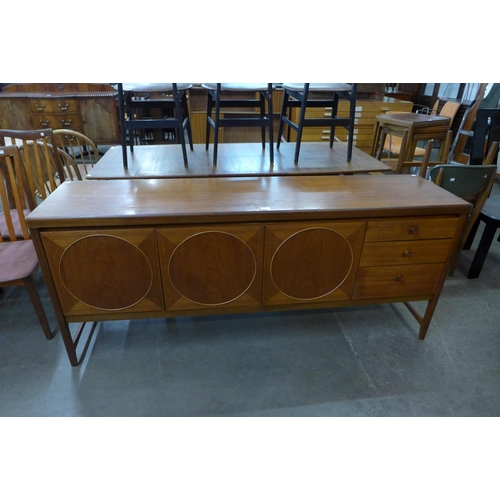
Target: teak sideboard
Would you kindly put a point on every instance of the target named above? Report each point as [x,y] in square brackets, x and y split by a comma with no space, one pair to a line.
[130,249]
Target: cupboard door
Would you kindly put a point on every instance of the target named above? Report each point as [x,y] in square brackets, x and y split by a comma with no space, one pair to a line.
[212,266]
[105,271]
[308,262]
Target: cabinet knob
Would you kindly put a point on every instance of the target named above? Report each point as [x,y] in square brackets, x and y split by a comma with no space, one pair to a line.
[413,229]
[39,107]
[44,123]
[63,107]
[400,278]
[66,123]
[407,253]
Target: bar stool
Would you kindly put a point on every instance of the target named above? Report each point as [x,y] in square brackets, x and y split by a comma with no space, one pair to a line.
[299,92]
[179,122]
[490,215]
[412,127]
[215,99]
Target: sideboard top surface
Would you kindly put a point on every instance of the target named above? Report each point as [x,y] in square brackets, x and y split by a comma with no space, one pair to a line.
[262,199]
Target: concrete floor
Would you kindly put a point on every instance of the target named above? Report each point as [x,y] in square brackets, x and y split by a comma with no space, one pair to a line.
[360,361]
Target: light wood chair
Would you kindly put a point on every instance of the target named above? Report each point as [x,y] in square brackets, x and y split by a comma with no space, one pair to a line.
[43,164]
[470,182]
[298,95]
[18,259]
[79,147]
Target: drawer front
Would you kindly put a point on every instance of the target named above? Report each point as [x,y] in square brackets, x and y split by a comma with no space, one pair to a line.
[53,106]
[71,121]
[411,229]
[404,252]
[397,281]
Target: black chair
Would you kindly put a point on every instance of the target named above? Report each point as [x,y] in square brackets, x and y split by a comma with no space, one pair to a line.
[216,102]
[486,131]
[297,95]
[490,215]
[178,104]
[473,184]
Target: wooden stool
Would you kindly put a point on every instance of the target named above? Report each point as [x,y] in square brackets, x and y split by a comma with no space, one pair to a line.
[490,214]
[412,127]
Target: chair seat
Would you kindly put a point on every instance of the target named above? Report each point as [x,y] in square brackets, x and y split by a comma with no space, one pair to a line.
[15,222]
[154,87]
[238,87]
[491,208]
[18,259]
[318,87]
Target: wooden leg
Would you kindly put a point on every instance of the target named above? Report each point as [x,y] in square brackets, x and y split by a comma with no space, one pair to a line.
[37,305]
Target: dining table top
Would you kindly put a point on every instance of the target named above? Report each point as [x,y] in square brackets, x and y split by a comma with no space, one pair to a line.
[234,160]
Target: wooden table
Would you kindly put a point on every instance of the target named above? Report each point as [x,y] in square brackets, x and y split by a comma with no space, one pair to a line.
[412,127]
[141,248]
[247,159]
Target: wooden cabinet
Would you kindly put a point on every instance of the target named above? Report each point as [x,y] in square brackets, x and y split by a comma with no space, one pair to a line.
[87,108]
[366,111]
[173,247]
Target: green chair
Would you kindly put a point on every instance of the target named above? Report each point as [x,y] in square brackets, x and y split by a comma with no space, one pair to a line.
[470,182]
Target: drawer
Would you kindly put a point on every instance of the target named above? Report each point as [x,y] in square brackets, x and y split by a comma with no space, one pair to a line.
[53,106]
[71,121]
[397,281]
[421,228]
[404,252]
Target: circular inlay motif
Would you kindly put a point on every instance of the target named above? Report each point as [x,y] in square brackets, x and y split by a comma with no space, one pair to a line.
[311,263]
[106,272]
[212,268]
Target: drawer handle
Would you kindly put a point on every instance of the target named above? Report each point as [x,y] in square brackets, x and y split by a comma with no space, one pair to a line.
[63,107]
[407,253]
[400,278]
[66,123]
[413,229]
[45,123]
[39,107]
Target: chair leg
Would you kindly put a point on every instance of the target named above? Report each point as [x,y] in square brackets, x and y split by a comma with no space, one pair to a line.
[123,132]
[482,250]
[284,105]
[271,127]
[209,116]
[352,115]
[179,121]
[216,123]
[472,234]
[37,305]
[262,116]
[186,121]
[335,105]
[303,107]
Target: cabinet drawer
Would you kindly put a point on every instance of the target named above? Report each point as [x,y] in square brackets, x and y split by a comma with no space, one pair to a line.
[397,281]
[411,229]
[71,121]
[404,252]
[53,106]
